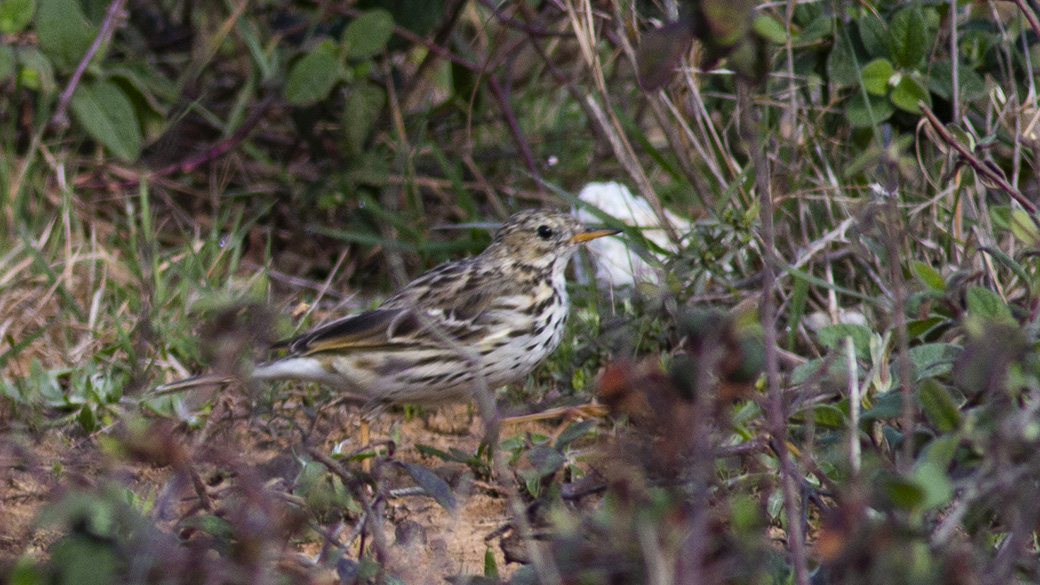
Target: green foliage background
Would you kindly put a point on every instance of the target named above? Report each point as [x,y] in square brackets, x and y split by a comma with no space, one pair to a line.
[163,161]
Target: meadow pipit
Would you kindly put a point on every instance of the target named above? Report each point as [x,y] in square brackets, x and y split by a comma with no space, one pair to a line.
[484,321]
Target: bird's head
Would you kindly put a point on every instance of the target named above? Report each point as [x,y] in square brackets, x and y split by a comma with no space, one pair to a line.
[542,239]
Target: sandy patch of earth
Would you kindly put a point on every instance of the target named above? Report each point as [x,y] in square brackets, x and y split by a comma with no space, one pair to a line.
[430,543]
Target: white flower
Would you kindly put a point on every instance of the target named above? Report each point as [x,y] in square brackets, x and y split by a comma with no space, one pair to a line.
[616,264]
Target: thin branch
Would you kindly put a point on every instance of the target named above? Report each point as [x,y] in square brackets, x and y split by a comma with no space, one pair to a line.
[980,167]
[511,22]
[219,149]
[493,85]
[776,411]
[191,163]
[371,521]
[955,103]
[441,37]
[514,129]
[1033,22]
[108,26]
[701,189]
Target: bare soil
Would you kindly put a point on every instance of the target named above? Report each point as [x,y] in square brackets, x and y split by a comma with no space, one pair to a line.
[431,543]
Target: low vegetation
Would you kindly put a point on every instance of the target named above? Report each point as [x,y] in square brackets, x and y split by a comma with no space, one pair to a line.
[836,378]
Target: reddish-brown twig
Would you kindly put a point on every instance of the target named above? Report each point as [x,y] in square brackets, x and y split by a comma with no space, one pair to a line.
[108,26]
[969,157]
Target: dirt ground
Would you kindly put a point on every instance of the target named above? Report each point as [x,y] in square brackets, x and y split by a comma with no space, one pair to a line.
[36,470]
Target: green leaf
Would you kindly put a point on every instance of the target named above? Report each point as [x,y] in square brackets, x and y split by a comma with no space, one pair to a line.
[863,113]
[876,76]
[961,136]
[841,63]
[887,405]
[1000,215]
[938,406]
[928,276]
[908,92]
[87,419]
[660,51]
[941,450]
[368,34]
[817,29]
[360,113]
[417,16]
[545,460]
[1024,228]
[828,415]
[833,338]
[85,561]
[35,71]
[805,371]
[728,20]
[314,75]
[902,492]
[15,14]
[796,308]
[452,454]
[934,483]
[806,14]
[25,571]
[490,565]
[770,29]
[369,168]
[6,62]
[574,431]
[874,33]
[986,304]
[210,524]
[63,31]
[908,38]
[1008,261]
[932,359]
[918,327]
[108,117]
[432,484]
[940,81]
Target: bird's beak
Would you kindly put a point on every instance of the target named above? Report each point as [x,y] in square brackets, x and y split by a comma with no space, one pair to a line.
[592,234]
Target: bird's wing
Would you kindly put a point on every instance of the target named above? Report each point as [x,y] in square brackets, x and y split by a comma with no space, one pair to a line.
[371,329]
[455,293]
[449,299]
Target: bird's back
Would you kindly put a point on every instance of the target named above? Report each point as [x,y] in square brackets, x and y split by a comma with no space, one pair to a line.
[458,327]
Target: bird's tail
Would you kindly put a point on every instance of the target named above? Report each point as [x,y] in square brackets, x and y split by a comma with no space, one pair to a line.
[191,383]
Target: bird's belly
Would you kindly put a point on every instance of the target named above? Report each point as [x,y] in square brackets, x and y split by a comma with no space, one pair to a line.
[432,374]
[515,353]
[437,375]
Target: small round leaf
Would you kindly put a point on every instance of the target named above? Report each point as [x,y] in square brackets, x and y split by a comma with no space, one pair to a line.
[867,112]
[63,31]
[908,92]
[107,115]
[314,75]
[876,76]
[15,14]
[368,34]
[908,38]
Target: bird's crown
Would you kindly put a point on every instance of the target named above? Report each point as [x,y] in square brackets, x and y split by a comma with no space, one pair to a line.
[537,237]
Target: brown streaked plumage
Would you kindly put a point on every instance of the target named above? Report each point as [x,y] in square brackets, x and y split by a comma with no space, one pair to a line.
[483,321]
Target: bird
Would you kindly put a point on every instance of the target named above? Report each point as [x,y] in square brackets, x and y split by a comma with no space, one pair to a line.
[478,322]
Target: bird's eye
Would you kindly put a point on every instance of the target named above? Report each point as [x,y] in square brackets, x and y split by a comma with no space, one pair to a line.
[545,232]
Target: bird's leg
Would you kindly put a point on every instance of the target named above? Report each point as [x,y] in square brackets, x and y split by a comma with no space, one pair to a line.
[369,412]
[366,463]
